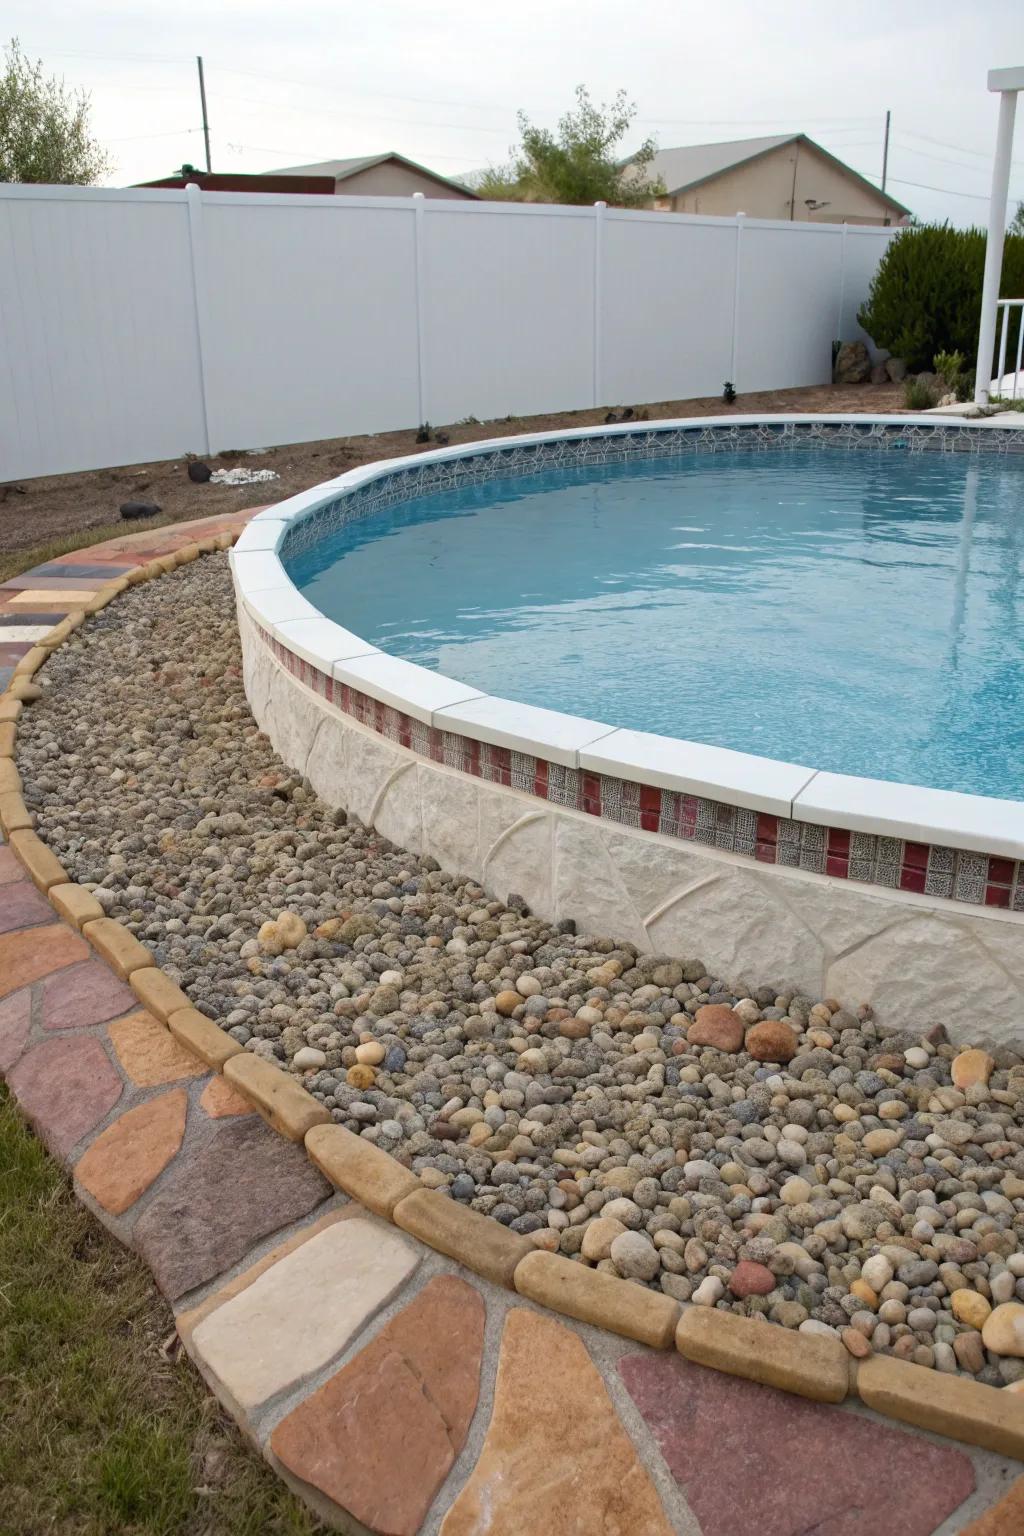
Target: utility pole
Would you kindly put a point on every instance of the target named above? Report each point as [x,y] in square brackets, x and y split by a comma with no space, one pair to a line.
[206,121]
[885,145]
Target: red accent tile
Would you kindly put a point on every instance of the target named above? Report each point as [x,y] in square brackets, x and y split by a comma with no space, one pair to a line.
[997,896]
[912,879]
[1000,871]
[650,799]
[473,766]
[838,866]
[591,786]
[649,820]
[436,745]
[767,827]
[838,843]
[915,856]
[766,852]
[540,779]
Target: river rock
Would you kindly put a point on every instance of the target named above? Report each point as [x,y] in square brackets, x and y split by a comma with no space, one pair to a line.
[1003,1329]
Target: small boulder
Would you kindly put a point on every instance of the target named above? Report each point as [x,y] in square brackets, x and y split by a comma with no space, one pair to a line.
[635,1256]
[852,364]
[771,1040]
[718,1026]
[598,1236]
[133,510]
[971,1067]
[895,370]
[1003,1329]
[751,1279]
[198,472]
[284,932]
[970,1307]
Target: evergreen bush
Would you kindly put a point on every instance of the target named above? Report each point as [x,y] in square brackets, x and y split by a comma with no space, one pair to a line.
[925,297]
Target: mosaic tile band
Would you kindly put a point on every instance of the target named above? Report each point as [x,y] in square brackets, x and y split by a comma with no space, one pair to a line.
[400,485]
[893,863]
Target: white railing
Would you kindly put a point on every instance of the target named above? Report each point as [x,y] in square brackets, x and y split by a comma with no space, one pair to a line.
[999,383]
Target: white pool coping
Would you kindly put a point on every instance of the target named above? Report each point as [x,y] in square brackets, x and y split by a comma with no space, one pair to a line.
[799,792]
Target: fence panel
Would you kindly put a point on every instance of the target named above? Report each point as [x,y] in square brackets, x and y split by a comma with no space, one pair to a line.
[790,276]
[668,286]
[311,329]
[508,310]
[98,352]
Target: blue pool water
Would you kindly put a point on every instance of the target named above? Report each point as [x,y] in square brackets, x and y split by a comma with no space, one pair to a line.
[862,612]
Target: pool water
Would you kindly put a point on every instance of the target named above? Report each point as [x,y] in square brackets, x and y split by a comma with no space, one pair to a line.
[855,611]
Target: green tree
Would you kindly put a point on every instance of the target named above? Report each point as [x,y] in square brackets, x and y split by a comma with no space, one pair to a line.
[44,127]
[1016,224]
[578,163]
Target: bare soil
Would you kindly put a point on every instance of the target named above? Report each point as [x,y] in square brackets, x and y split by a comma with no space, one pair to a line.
[35,512]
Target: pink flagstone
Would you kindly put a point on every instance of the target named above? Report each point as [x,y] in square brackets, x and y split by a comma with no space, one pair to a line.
[84,994]
[65,1087]
[750,1458]
[21,906]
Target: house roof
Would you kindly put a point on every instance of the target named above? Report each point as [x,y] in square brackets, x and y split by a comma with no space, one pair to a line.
[691,164]
[341,170]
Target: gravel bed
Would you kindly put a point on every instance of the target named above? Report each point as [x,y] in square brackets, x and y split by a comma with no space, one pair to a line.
[728,1142]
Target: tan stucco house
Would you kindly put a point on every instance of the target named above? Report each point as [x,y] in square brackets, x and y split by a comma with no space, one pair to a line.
[786,176]
[387,175]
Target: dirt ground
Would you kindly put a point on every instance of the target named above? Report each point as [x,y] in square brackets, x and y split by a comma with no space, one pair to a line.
[33,512]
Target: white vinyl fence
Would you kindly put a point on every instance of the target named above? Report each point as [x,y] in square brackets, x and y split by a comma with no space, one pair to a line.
[143,324]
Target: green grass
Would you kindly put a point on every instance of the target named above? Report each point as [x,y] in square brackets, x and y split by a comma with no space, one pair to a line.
[18,560]
[101,1433]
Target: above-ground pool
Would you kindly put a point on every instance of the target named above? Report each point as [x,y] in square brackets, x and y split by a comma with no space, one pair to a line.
[748,688]
[863,612]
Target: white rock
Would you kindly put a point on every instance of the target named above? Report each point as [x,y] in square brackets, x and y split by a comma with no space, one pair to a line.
[308,1057]
[917,1057]
[708,1292]
[877,1271]
[528,986]
[795,1192]
[390,979]
[815,1325]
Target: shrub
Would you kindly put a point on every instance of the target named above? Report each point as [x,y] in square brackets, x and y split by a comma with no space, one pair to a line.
[925,298]
[948,365]
[919,395]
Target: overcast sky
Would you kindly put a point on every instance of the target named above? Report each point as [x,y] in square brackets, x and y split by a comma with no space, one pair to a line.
[441,80]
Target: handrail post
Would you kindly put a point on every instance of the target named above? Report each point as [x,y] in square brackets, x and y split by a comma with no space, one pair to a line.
[996,229]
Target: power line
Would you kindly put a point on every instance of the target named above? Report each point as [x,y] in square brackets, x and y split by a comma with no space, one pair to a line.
[981,197]
[170,133]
